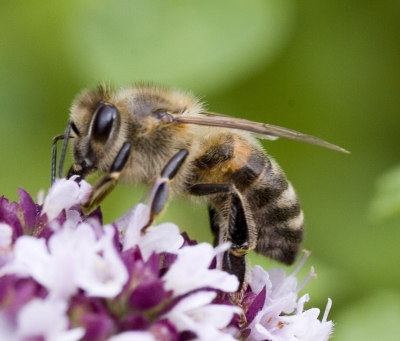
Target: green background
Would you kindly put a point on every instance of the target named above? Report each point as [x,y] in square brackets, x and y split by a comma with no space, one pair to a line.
[326,68]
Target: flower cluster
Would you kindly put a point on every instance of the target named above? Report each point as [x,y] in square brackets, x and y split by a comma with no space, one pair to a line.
[64,276]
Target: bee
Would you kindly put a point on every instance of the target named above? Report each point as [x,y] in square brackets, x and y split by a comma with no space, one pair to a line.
[147,132]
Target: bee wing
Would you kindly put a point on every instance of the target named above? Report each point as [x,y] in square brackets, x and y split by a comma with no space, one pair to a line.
[261,130]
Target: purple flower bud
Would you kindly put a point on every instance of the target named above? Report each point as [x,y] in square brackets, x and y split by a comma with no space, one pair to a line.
[93,316]
[147,295]
[29,210]
[97,326]
[16,292]
[134,321]
[8,215]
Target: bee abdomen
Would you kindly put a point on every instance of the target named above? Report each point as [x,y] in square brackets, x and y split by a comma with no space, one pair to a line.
[277,214]
[247,175]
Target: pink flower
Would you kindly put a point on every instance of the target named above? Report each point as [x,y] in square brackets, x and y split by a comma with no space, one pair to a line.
[65,276]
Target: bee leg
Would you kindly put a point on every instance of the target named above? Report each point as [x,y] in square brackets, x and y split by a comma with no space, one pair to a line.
[82,170]
[66,136]
[54,157]
[215,227]
[208,189]
[107,182]
[233,260]
[159,195]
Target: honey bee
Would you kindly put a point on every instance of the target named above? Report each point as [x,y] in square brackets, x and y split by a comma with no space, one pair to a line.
[147,132]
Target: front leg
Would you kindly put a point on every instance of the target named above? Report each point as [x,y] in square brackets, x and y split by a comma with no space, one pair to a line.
[107,182]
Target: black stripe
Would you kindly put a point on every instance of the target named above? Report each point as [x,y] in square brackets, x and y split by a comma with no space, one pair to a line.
[245,176]
[268,188]
[276,214]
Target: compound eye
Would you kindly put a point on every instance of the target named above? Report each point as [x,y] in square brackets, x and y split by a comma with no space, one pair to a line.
[105,116]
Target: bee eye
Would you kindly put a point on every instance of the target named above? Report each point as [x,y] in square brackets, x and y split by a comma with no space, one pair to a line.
[105,116]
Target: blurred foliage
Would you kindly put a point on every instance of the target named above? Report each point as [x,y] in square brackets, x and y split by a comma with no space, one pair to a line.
[155,36]
[330,69]
[386,203]
[375,317]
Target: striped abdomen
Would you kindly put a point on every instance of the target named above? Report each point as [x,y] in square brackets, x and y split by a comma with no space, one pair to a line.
[273,213]
[277,214]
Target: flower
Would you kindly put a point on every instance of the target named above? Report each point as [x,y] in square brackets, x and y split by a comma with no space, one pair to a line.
[47,318]
[276,314]
[65,276]
[197,314]
[162,238]
[191,271]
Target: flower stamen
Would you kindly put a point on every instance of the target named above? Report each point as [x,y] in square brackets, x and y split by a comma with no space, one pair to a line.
[310,275]
[303,259]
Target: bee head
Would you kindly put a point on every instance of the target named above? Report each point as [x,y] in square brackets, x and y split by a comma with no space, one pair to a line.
[95,123]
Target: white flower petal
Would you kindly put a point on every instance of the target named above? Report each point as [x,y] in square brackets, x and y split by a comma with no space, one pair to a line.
[259,279]
[103,274]
[219,315]
[5,235]
[300,303]
[162,238]
[30,259]
[40,197]
[46,318]
[73,218]
[195,313]
[69,251]
[190,272]
[7,328]
[5,243]
[64,194]
[122,223]
[133,335]
[266,335]
[307,327]
[73,259]
[84,190]
[282,287]
[193,301]
[137,221]
[271,324]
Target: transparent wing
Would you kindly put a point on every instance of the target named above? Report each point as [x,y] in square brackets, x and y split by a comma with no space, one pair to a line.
[261,130]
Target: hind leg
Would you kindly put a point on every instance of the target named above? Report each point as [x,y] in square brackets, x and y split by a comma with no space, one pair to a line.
[233,260]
